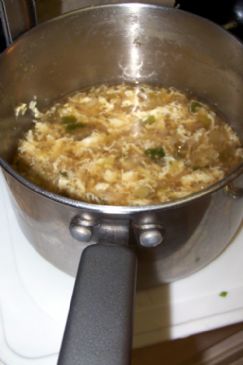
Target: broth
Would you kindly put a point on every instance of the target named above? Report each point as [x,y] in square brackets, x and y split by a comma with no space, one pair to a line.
[128,145]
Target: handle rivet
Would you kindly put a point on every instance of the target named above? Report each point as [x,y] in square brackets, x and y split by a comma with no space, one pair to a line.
[81,233]
[150,238]
[81,228]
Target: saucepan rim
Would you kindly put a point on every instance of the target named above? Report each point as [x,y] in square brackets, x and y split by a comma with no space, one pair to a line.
[121,209]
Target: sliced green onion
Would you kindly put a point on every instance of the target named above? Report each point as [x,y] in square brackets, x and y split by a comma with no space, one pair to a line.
[73,126]
[67,119]
[223,294]
[195,106]
[150,119]
[156,153]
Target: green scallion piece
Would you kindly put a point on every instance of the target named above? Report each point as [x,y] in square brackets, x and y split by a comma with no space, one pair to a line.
[195,106]
[156,153]
[223,294]
[73,127]
[150,120]
[67,119]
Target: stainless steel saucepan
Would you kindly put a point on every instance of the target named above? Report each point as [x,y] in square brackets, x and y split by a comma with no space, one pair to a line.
[116,43]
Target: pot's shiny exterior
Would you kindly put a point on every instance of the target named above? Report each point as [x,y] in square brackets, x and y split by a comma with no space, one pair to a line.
[132,43]
[194,234]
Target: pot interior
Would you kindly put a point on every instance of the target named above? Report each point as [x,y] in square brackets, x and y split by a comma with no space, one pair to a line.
[120,43]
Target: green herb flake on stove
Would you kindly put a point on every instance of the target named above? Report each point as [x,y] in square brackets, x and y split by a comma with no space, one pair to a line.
[223,294]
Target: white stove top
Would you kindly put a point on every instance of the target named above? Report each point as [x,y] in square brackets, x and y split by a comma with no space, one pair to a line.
[34,298]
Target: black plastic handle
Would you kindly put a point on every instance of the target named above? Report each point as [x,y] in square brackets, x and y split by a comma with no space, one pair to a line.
[99,325]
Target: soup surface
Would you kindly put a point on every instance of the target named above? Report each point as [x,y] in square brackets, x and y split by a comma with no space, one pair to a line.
[127,145]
